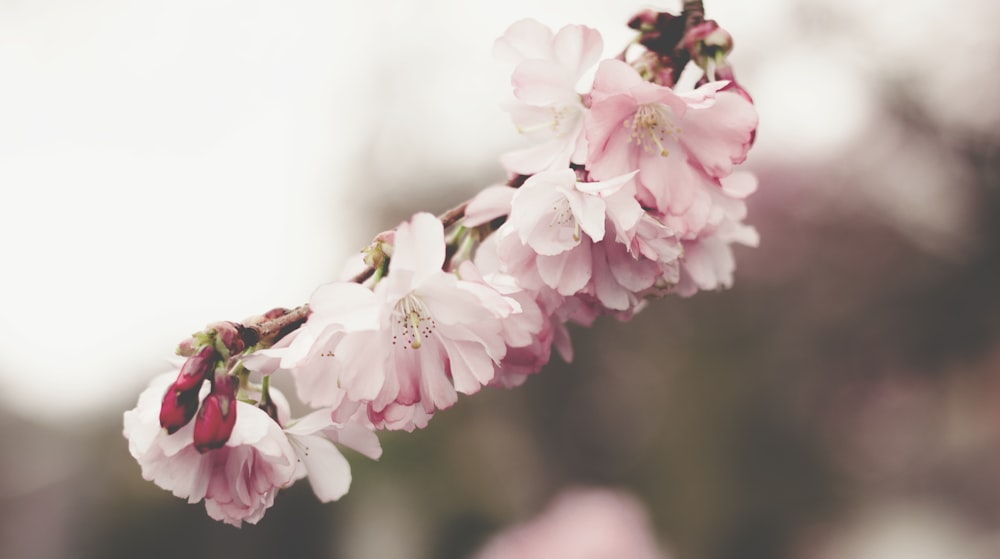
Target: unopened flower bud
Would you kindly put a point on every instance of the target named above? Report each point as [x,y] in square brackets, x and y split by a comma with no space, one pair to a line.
[217,415]
[228,334]
[178,407]
[707,42]
[659,32]
[644,20]
[187,348]
[196,369]
[376,253]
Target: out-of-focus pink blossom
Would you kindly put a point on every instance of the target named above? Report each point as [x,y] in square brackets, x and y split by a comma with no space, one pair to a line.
[580,524]
[548,109]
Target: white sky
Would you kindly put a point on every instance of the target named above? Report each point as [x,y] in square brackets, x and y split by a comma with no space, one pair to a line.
[164,165]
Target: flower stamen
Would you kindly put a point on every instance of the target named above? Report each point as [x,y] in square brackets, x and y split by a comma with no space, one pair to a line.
[651,127]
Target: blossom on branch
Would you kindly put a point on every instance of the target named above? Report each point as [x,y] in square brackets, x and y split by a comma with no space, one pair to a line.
[629,194]
[679,142]
[409,345]
[239,480]
[548,108]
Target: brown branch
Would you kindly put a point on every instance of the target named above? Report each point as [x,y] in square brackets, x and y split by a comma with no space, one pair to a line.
[694,5]
[270,330]
[452,216]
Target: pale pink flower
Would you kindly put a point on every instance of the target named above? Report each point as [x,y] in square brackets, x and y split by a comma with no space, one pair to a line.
[440,334]
[406,347]
[549,109]
[678,142]
[559,219]
[708,261]
[528,332]
[580,524]
[589,239]
[322,377]
[240,480]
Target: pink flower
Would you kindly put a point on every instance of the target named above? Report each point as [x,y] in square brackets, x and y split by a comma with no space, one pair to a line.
[708,261]
[528,332]
[558,219]
[549,108]
[239,480]
[580,524]
[407,347]
[678,142]
[590,239]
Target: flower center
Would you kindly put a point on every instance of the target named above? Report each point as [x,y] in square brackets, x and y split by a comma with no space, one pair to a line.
[562,217]
[411,322]
[651,127]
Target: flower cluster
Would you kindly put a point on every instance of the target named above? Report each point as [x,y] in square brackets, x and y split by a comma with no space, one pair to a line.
[628,191]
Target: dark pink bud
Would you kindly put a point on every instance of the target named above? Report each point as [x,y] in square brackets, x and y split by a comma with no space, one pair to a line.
[644,20]
[178,408]
[217,415]
[229,335]
[196,369]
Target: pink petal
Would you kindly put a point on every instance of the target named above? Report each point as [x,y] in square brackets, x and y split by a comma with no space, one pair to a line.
[543,83]
[524,39]
[489,204]
[719,136]
[577,48]
[347,304]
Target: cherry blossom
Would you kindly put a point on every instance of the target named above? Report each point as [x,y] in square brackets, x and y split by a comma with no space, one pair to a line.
[708,261]
[239,480]
[415,340]
[675,140]
[548,108]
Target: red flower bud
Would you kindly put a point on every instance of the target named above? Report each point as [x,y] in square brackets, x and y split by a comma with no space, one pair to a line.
[217,415]
[196,369]
[228,333]
[644,20]
[178,407]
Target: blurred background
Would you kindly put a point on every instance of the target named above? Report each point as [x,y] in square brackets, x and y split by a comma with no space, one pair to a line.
[167,165]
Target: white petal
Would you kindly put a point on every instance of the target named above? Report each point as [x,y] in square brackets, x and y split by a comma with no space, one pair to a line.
[418,247]
[315,421]
[328,470]
[359,438]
